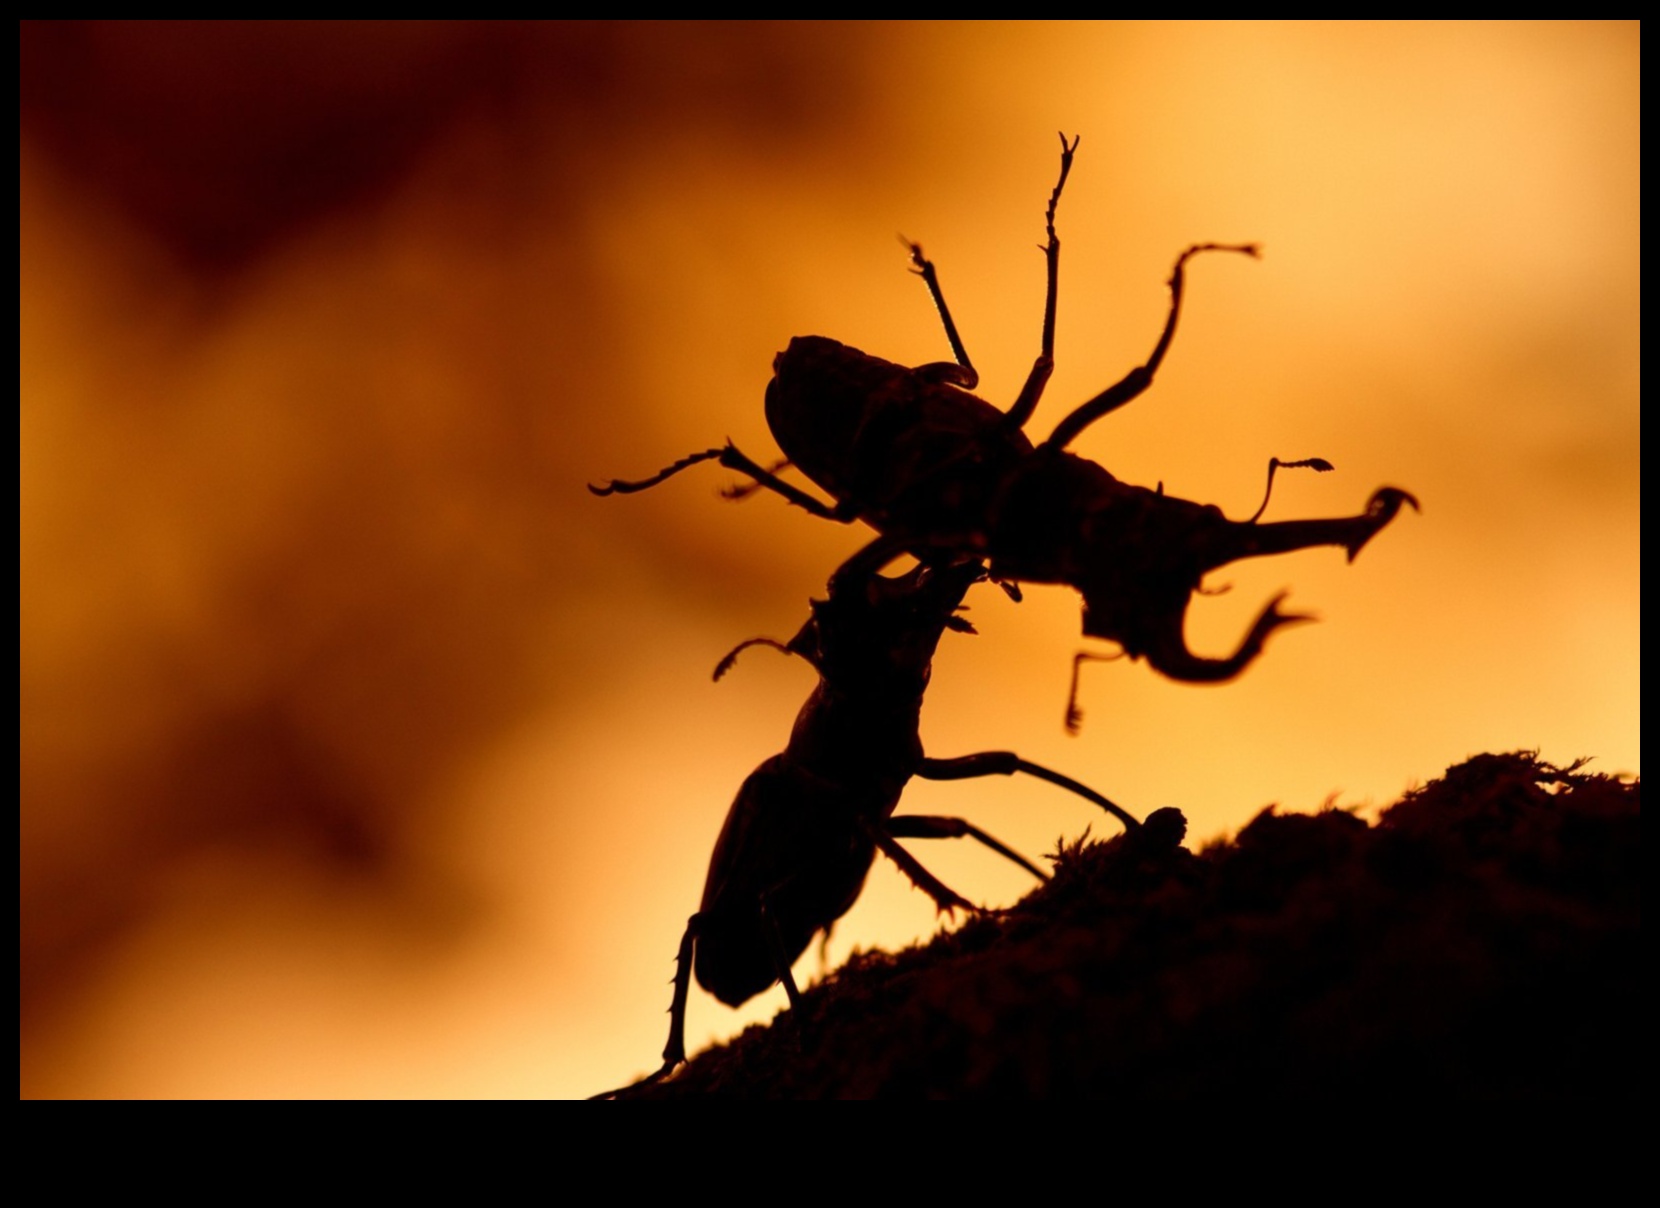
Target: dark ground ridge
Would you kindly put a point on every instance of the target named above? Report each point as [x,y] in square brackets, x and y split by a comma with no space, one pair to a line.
[1481,941]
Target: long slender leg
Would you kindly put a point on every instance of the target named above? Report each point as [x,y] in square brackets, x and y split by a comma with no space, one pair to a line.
[619,486]
[733,459]
[1032,391]
[944,896]
[940,826]
[963,372]
[1318,464]
[1006,763]
[780,959]
[1137,380]
[674,1052]
[746,489]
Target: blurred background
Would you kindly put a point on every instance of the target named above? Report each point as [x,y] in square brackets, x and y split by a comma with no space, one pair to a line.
[363,752]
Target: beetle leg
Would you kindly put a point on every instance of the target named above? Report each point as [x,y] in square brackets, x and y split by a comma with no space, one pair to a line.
[674,1052]
[1032,391]
[1074,712]
[725,665]
[1318,464]
[733,459]
[939,826]
[1161,642]
[1137,380]
[1006,763]
[619,486]
[945,898]
[963,372]
[745,490]
[780,959]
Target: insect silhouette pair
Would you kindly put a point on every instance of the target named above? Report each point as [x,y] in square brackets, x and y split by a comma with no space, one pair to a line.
[805,828]
[942,475]
[951,480]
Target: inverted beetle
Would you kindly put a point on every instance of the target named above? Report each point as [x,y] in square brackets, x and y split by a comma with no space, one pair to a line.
[806,825]
[943,475]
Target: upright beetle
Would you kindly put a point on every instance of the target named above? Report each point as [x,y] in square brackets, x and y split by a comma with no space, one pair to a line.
[806,825]
[945,476]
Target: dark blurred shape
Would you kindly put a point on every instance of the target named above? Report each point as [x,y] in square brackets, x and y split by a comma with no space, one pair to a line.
[387,639]
[1484,940]
[222,138]
[244,780]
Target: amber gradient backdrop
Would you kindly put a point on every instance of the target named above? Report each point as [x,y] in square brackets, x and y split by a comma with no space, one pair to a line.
[363,752]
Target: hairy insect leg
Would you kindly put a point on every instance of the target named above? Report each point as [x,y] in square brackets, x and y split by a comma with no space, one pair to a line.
[945,898]
[1318,464]
[940,826]
[1137,380]
[1044,366]
[1075,712]
[963,372]
[733,459]
[1006,763]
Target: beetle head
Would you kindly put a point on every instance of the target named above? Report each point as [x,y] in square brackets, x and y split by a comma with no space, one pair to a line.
[878,633]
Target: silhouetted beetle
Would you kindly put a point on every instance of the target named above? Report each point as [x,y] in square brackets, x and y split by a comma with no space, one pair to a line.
[942,475]
[805,828]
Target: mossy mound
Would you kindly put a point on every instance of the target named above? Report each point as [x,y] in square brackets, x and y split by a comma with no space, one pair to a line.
[1481,941]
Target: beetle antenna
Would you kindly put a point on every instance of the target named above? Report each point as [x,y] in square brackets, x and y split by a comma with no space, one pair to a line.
[1318,464]
[725,665]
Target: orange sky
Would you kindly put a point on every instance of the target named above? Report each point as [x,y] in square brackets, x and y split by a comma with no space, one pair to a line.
[364,753]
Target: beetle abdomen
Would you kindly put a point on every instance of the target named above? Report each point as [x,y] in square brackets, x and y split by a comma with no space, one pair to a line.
[789,858]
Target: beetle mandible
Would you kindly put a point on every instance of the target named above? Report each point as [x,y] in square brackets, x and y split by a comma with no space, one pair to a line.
[942,475]
[806,825]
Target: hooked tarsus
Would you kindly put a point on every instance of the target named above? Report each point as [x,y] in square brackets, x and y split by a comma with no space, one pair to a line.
[1074,711]
[962,373]
[1030,393]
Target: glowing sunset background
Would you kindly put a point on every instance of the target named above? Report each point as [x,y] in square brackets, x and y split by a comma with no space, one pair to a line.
[363,752]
